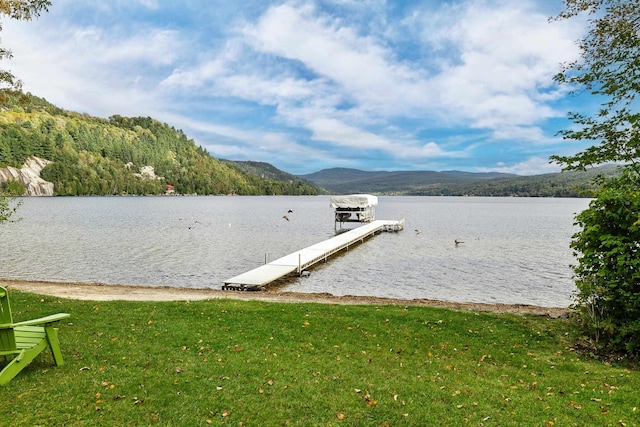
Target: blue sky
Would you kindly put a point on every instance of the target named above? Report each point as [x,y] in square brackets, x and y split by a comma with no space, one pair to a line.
[307,85]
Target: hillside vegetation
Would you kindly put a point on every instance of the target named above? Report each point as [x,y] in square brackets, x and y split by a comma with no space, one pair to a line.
[268,171]
[96,156]
[457,183]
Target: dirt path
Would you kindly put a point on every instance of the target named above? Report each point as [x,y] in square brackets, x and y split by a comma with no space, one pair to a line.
[101,292]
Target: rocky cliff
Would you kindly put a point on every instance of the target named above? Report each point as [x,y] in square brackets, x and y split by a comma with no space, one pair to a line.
[29,176]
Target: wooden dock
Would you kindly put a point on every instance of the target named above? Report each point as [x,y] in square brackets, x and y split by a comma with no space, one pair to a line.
[299,261]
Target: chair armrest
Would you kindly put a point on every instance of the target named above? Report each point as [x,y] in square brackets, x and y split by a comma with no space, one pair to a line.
[44,320]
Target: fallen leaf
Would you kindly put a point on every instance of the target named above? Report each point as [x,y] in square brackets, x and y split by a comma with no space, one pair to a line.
[340,416]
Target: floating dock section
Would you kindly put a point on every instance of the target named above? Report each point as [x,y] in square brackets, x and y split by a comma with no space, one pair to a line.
[299,261]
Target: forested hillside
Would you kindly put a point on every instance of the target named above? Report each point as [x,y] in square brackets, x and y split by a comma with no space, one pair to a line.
[268,171]
[344,180]
[96,156]
[457,183]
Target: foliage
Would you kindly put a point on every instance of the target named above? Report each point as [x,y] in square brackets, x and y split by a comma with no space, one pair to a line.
[94,156]
[20,10]
[267,171]
[607,274]
[609,70]
[608,270]
[224,362]
[8,203]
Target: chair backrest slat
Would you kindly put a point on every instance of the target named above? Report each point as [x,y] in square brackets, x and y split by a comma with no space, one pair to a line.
[7,336]
[5,309]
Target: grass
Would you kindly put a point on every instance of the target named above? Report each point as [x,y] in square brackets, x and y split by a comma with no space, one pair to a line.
[243,363]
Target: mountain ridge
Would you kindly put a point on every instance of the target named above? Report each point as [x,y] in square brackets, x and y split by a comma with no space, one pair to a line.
[460,183]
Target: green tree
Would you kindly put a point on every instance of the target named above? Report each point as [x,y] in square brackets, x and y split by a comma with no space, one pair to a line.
[608,270]
[8,201]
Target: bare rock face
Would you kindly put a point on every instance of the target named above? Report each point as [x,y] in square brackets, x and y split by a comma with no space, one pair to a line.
[29,176]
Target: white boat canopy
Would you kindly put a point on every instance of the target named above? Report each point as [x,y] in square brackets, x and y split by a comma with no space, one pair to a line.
[353,201]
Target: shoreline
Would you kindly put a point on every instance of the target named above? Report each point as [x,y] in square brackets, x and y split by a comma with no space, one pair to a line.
[108,292]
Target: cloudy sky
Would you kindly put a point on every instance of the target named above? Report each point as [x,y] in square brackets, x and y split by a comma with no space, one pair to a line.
[313,84]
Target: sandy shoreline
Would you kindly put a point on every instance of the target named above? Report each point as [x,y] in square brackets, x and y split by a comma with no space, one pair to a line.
[103,292]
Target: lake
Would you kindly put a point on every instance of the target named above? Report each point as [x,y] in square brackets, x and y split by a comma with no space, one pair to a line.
[515,250]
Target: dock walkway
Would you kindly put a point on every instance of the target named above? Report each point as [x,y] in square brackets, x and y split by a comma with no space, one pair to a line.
[298,261]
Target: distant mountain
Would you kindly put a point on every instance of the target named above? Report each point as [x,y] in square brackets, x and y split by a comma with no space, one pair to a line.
[344,181]
[264,170]
[456,183]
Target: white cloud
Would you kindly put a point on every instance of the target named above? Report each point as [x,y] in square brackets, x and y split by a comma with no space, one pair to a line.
[505,54]
[92,69]
[150,4]
[363,82]
[360,66]
[531,166]
[154,47]
[336,132]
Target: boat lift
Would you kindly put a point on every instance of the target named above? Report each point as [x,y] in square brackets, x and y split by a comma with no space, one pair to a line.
[353,208]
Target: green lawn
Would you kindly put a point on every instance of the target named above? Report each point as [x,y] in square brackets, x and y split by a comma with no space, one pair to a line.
[239,363]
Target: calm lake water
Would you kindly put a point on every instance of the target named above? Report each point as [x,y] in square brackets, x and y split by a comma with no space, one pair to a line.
[515,250]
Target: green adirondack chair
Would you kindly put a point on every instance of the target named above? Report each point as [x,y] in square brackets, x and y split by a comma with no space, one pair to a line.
[21,342]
